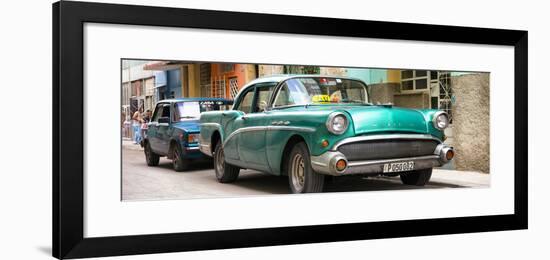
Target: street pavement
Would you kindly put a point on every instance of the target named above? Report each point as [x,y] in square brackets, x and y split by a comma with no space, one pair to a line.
[141,182]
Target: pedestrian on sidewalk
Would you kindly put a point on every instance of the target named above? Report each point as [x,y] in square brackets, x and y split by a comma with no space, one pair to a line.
[137,120]
[144,126]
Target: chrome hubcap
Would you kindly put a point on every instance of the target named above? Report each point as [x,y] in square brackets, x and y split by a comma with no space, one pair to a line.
[297,172]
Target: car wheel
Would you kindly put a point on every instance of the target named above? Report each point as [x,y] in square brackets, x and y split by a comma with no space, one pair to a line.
[301,177]
[225,172]
[418,178]
[151,157]
[178,163]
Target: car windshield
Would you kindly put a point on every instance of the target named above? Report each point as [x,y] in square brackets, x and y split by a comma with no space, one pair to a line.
[191,110]
[319,90]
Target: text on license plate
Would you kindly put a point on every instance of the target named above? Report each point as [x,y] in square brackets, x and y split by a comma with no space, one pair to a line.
[399,167]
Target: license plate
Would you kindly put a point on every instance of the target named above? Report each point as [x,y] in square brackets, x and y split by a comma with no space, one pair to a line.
[399,167]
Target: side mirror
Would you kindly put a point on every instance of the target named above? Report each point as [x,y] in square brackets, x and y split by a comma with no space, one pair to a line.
[164,120]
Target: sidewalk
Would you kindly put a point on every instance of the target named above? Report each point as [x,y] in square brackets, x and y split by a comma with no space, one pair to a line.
[461,178]
[129,145]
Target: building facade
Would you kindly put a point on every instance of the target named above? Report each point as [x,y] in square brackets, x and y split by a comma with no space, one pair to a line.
[137,94]
[464,96]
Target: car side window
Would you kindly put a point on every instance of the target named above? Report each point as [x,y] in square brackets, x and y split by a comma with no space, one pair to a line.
[165,111]
[263,93]
[246,101]
[283,98]
[158,113]
[295,92]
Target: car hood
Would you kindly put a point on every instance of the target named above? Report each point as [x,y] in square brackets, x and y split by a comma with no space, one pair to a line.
[190,126]
[375,118]
[370,119]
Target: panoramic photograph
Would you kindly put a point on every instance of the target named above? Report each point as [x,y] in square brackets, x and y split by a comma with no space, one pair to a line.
[199,129]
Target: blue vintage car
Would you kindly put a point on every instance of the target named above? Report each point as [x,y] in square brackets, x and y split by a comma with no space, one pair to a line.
[174,130]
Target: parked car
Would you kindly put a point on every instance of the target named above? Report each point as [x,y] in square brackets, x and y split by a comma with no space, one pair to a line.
[308,127]
[174,130]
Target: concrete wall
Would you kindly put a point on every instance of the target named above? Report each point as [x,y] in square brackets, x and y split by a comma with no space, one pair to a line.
[412,100]
[331,71]
[266,70]
[471,121]
[383,92]
[136,71]
[369,76]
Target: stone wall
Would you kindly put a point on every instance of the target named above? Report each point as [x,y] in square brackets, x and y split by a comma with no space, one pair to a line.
[383,92]
[471,121]
[266,70]
[332,71]
[413,100]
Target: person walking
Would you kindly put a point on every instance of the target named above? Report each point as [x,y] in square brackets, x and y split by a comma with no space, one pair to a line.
[136,124]
[146,118]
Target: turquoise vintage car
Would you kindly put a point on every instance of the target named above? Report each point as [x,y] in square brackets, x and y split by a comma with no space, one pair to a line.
[308,127]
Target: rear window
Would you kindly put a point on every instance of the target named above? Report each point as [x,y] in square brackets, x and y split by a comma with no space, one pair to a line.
[191,110]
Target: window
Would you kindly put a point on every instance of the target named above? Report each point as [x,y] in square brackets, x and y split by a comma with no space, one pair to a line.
[188,111]
[319,90]
[283,98]
[246,101]
[414,79]
[159,112]
[264,93]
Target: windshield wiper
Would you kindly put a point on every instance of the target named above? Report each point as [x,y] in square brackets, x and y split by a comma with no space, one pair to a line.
[187,117]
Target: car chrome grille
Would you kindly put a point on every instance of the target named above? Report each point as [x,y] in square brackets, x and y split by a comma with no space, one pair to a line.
[387,149]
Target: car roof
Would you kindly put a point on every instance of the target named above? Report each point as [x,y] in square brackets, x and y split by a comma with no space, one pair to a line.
[173,100]
[277,78]
[283,77]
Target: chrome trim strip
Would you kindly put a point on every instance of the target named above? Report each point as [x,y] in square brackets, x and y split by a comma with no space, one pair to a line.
[383,137]
[242,130]
[291,128]
[318,163]
[210,124]
[268,128]
[192,148]
[205,149]
[325,164]
[371,162]
[280,122]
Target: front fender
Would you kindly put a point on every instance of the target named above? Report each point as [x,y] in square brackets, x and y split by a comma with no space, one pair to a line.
[312,129]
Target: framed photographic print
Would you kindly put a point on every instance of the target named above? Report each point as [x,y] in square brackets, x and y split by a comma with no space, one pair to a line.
[181,129]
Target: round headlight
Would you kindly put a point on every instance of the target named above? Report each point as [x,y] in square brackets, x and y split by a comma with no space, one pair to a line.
[337,123]
[441,120]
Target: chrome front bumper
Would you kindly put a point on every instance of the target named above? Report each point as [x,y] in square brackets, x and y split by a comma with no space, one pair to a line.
[326,162]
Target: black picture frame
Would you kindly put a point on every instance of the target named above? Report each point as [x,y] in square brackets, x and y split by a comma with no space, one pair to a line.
[68,157]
